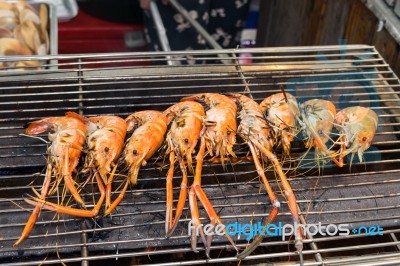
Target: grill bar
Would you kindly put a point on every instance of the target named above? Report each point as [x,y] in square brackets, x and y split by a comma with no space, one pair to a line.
[216,247]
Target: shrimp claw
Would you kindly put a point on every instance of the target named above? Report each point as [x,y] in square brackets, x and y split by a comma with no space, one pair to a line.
[64,152]
[254,130]
[186,121]
[217,137]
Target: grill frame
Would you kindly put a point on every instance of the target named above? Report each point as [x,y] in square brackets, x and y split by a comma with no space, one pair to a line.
[83,78]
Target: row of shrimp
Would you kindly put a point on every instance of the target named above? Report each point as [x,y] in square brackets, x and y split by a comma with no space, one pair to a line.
[207,121]
[102,139]
[316,119]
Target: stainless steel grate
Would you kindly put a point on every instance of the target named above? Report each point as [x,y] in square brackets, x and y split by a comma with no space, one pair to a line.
[367,194]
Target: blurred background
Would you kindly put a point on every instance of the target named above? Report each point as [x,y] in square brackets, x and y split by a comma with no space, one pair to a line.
[100,26]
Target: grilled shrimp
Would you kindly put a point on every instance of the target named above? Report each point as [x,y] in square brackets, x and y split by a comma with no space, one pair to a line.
[186,122]
[317,118]
[220,123]
[106,135]
[282,113]
[357,126]
[105,139]
[147,137]
[67,138]
[218,136]
[255,131]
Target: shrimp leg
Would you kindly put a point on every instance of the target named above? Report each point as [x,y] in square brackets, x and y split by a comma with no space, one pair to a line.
[186,122]
[170,225]
[321,145]
[260,171]
[69,182]
[169,188]
[259,238]
[109,186]
[69,210]
[36,211]
[196,188]
[342,153]
[111,206]
[274,200]
[117,200]
[290,197]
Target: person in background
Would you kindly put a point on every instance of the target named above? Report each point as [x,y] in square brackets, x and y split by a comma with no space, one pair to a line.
[223,20]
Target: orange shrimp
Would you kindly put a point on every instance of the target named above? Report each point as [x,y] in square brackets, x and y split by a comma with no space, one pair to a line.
[143,143]
[357,126]
[282,111]
[186,119]
[106,136]
[66,147]
[317,118]
[218,136]
[105,140]
[255,131]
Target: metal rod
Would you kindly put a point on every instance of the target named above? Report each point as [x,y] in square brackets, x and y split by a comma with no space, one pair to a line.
[231,259]
[313,245]
[394,238]
[84,248]
[385,14]
[80,87]
[215,247]
[242,77]
[285,49]
[161,32]
[228,74]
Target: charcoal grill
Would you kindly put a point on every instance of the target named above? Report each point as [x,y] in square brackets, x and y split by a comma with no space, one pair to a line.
[364,195]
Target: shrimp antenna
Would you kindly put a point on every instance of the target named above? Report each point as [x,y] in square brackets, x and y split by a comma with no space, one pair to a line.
[35,137]
[283,92]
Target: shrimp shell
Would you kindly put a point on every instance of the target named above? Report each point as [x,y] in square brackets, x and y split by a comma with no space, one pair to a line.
[105,140]
[186,120]
[317,117]
[358,126]
[220,122]
[67,138]
[145,141]
[282,114]
[68,131]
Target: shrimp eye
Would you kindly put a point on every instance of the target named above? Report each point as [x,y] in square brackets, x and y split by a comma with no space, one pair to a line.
[228,132]
[134,152]
[106,149]
[286,129]
[364,139]
[320,132]
[186,141]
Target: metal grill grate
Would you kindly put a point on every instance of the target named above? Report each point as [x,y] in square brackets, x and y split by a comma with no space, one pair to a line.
[365,194]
